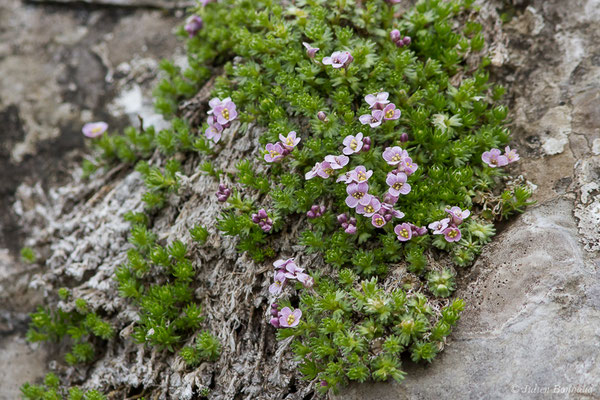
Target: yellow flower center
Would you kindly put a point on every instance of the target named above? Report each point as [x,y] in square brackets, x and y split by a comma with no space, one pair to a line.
[277,283]
[328,171]
[362,176]
[225,113]
[379,221]
[397,157]
[398,185]
[358,195]
[404,233]
[96,129]
[389,114]
[369,209]
[273,153]
[289,142]
[353,144]
[291,319]
[452,234]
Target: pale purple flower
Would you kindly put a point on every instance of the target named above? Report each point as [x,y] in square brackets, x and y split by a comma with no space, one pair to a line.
[274,152]
[223,193]
[305,279]
[313,172]
[494,159]
[511,154]
[378,220]
[394,155]
[388,212]
[216,102]
[405,42]
[457,215]
[397,183]
[326,170]
[407,165]
[353,144]
[369,209]
[373,120]
[205,2]
[94,129]
[322,116]
[290,141]
[289,318]
[315,211]
[291,270]
[310,51]
[225,112]
[214,130]
[452,234]
[395,35]
[377,100]
[337,162]
[357,194]
[390,112]
[351,229]
[282,264]
[438,226]
[389,199]
[418,230]
[359,174]
[279,282]
[346,178]
[338,59]
[193,25]
[403,231]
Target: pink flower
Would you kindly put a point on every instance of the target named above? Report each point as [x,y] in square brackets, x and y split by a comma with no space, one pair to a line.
[407,166]
[290,141]
[397,183]
[214,130]
[377,100]
[353,144]
[313,172]
[369,209]
[373,120]
[457,215]
[388,212]
[337,162]
[438,226]
[357,194]
[403,231]
[339,59]
[378,220]
[390,112]
[94,129]
[315,211]
[394,155]
[193,25]
[274,152]
[351,229]
[326,170]
[278,284]
[289,318]
[452,234]
[310,51]
[511,155]
[395,35]
[494,159]
[225,112]
[359,174]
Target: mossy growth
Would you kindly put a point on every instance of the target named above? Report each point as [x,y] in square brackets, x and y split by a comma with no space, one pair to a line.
[376,295]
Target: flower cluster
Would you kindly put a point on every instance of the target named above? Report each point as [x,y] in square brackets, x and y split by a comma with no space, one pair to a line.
[285,318]
[288,270]
[262,219]
[339,59]
[494,158]
[449,226]
[220,115]
[276,152]
[349,224]
[398,39]
[94,129]
[381,110]
[193,25]
[407,231]
[223,193]
[315,211]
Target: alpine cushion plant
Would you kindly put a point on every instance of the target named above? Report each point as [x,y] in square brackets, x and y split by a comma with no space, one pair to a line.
[373,157]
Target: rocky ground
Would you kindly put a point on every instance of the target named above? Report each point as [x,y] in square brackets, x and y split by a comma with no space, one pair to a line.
[531,326]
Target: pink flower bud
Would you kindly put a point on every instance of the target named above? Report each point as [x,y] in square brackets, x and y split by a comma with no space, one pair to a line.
[395,35]
[404,137]
[322,116]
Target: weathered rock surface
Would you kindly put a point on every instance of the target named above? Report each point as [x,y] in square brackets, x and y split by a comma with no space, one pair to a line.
[531,326]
